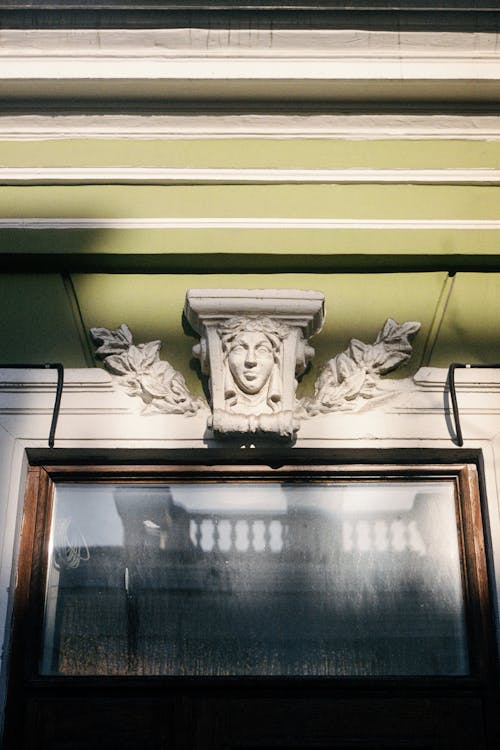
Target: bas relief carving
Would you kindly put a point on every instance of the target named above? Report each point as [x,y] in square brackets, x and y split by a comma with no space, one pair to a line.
[251,355]
[355,375]
[252,383]
[253,347]
[140,372]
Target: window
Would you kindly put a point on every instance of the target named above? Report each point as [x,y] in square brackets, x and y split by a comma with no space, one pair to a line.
[287,578]
[193,576]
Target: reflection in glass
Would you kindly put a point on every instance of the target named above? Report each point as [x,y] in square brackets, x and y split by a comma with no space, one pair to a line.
[261,578]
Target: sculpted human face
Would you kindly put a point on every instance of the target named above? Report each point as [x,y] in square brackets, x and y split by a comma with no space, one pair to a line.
[250,361]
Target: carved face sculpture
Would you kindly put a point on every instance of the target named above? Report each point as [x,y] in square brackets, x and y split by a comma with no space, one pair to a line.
[251,360]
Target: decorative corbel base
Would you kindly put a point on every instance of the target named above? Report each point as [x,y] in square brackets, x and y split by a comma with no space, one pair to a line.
[254,344]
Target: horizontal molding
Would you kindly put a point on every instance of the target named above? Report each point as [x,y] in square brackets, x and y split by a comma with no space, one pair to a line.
[243,43]
[247,223]
[173,176]
[237,67]
[74,379]
[251,65]
[193,126]
[259,85]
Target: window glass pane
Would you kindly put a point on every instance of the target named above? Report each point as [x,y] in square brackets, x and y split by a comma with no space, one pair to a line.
[262,578]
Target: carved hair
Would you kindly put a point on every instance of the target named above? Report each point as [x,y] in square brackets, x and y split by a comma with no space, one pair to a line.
[231,328]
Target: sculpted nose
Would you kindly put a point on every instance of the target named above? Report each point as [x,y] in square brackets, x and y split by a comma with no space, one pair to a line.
[250,358]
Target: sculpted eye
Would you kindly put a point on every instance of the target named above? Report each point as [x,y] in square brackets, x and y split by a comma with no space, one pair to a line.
[264,348]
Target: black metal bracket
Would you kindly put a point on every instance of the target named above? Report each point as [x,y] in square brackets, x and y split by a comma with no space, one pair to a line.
[453,392]
[59,389]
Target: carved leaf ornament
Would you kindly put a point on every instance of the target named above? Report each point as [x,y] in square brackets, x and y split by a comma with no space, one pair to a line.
[141,372]
[356,372]
[349,379]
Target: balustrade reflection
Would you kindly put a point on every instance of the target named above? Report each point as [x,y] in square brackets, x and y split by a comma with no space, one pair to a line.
[264,578]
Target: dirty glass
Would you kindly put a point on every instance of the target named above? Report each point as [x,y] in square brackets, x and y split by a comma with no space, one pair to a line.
[255,578]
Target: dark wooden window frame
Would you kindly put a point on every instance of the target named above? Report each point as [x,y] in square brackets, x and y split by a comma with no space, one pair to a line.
[26,684]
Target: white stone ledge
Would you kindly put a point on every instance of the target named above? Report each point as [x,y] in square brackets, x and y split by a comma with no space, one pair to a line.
[190,176]
[188,64]
[194,125]
[162,43]
[92,409]
[247,222]
[27,379]
[482,378]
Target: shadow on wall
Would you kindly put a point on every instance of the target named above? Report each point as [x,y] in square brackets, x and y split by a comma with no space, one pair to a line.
[40,315]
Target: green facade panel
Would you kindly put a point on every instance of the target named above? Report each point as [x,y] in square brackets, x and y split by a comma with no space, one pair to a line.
[470,330]
[253,153]
[397,202]
[66,279]
[39,321]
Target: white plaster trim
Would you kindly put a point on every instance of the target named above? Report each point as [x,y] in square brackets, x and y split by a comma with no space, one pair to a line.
[248,223]
[174,176]
[220,126]
[304,308]
[95,415]
[468,379]
[247,52]
[193,63]
[203,67]
[244,42]
[74,379]
[92,409]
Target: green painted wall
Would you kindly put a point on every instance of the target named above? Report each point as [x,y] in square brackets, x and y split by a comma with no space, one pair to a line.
[265,201]
[57,283]
[47,317]
[287,153]
[37,323]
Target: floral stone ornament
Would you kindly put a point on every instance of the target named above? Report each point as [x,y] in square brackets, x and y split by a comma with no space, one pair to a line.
[140,372]
[254,345]
[354,376]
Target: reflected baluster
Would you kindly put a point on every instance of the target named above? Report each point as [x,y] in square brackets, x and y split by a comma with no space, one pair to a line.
[251,536]
[197,522]
[232,534]
[216,536]
[267,535]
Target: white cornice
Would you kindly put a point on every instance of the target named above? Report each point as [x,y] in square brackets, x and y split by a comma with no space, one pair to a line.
[45,379]
[193,64]
[173,176]
[248,223]
[264,126]
[242,42]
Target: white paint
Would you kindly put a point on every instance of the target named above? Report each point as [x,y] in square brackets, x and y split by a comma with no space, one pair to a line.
[189,64]
[245,42]
[180,176]
[253,346]
[217,126]
[248,223]
[168,69]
